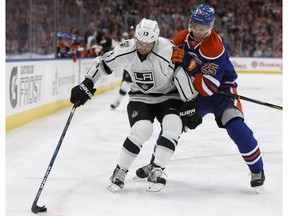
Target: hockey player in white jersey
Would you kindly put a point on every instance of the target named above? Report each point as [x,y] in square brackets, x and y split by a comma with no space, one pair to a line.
[153,94]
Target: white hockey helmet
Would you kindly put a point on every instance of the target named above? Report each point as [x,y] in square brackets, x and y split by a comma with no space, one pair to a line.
[147,31]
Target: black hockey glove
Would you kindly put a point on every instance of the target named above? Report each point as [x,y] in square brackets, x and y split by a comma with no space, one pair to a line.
[82,92]
[190,117]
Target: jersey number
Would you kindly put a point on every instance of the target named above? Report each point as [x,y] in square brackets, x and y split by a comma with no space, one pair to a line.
[209,69]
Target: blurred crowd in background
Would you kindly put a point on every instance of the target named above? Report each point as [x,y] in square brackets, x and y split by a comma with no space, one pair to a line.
[88,28]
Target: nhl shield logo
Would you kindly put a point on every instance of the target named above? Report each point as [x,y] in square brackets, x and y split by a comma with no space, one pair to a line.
[144,80]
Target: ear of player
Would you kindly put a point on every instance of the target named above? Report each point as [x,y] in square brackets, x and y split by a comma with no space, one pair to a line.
[189,62]
[82,92]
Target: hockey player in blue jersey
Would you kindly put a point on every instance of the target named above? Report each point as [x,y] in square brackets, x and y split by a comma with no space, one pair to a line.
[199,48]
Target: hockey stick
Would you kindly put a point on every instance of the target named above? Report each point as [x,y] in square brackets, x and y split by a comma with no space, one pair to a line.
[35,208]
[249,99]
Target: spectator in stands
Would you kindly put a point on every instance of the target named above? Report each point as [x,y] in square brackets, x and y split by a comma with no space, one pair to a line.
[244,24]
[105,40]
[62,46]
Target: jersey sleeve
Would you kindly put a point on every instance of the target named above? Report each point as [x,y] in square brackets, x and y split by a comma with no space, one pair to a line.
[206,85]
[118,57]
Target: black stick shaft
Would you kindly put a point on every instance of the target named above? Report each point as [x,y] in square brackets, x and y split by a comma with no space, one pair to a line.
[34,205]
[250,100]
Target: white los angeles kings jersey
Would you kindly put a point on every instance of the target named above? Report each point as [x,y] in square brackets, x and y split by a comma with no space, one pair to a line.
[152,79]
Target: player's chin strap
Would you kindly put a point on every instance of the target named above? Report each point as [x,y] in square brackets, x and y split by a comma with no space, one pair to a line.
[250,100]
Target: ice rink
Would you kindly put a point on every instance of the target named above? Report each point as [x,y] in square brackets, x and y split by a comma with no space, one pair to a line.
[206,176]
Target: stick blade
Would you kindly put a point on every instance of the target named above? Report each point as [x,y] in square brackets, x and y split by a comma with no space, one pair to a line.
[36,209]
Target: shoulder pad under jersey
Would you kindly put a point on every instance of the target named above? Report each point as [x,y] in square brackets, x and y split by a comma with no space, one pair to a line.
[163,48]
[180,37]
[212,47]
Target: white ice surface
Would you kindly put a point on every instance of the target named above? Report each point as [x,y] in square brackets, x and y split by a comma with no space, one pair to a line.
[206,175]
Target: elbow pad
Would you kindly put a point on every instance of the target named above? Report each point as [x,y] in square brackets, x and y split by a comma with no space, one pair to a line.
[184,85]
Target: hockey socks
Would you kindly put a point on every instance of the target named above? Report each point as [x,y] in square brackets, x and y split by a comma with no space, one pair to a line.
[243,137]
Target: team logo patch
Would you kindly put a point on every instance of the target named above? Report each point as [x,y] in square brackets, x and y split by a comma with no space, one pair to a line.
[124,44]
[134,114]
[144,80]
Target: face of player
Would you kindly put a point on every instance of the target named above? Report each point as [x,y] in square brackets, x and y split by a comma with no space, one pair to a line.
[144,48]
[199,31]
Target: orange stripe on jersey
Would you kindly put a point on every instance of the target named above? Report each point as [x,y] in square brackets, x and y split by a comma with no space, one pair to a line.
[201,83]
[198,85]
[212,47]
[238,104]
[211,86]
[180,37]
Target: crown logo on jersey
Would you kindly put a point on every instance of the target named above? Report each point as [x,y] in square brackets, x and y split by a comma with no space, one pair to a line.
[144,86]
[134,114]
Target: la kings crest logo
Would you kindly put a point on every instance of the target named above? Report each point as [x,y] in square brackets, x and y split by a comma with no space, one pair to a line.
[144,80]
